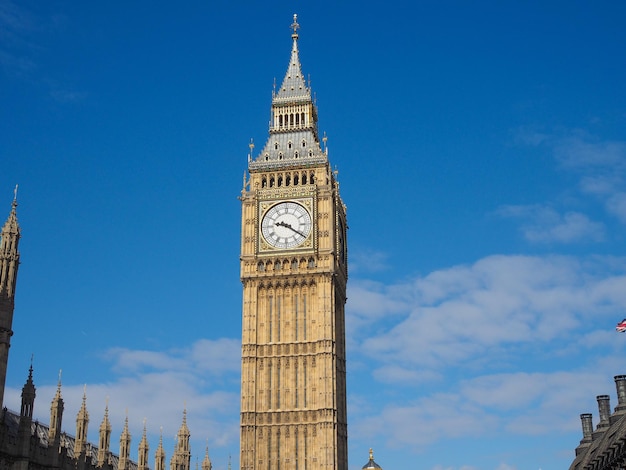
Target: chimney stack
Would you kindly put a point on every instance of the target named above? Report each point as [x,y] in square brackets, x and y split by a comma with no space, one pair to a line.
[587,422]
[620,385]
[604,407]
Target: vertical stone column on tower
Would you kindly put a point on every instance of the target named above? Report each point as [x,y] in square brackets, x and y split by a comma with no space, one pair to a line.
[9,263]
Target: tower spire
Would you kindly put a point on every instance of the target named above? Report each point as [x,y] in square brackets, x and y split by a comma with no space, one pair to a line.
[104,444]
[82,424]
[181,459]
[26,419]
[206,463]
[142,461]
[9,263]
[293,139]
[159,456]
[56,420]
[124,447]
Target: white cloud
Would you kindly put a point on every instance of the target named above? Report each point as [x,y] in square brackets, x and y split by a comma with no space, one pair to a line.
[368,261]
[616,205]
[580,151]
[515,345]
[214,356]
[464,312]
[601,167]
[543,224]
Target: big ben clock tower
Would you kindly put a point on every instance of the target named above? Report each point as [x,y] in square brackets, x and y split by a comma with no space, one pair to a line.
[294,273]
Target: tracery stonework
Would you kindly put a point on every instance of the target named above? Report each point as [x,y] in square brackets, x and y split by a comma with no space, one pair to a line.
[294,274]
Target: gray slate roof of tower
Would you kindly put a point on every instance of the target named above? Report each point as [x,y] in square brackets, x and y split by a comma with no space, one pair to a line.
[291,148]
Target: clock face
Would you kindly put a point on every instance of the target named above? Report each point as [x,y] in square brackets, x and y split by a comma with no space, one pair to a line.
[286,225]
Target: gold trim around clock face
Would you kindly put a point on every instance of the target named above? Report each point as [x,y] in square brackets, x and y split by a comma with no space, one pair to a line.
[286,225]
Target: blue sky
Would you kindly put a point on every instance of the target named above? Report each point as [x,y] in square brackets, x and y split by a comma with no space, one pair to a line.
[481,150]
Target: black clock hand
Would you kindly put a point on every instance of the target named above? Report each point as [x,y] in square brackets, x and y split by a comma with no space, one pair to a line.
[286,225]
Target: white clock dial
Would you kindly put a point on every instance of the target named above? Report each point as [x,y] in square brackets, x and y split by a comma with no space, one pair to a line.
[286,225]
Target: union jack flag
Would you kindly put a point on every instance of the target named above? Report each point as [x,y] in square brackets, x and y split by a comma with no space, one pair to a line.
[621,326]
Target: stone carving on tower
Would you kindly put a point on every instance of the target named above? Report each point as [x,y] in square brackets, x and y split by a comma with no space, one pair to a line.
[9,263]
[294,274]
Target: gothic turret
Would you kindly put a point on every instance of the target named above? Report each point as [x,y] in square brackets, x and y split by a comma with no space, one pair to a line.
[159,456]
[104,441]
[56,420]
[26,419]
[142,461]
[124,447]
[182,455]
[82,425]
[9,263]
[206,463]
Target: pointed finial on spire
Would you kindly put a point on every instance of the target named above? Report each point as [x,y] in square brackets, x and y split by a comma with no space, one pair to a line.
[30,369]
[325,139]
[58,394]
[15,196]
[295,26]
[371,454]
[251,146]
